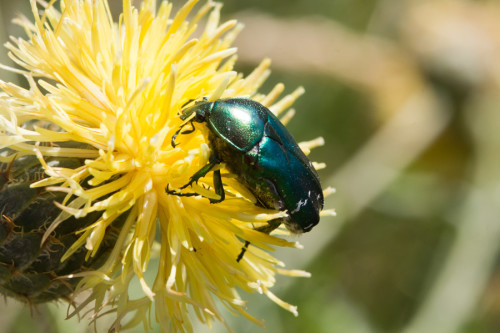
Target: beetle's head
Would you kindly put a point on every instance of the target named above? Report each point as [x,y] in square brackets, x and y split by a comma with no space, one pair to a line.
[199,111]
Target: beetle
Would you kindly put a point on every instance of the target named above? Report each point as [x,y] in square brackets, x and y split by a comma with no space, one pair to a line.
[259,150]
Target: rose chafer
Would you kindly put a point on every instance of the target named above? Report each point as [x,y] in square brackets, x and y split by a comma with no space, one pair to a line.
[255,146]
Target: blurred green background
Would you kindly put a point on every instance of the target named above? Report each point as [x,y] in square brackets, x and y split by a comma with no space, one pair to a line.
[406,95]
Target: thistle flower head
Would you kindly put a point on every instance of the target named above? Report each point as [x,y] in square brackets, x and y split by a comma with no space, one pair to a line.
[117,89]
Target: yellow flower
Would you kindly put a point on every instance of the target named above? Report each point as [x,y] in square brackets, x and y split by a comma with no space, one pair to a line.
[118,89]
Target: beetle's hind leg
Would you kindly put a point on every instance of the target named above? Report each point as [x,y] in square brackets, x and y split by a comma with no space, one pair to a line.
[267,229]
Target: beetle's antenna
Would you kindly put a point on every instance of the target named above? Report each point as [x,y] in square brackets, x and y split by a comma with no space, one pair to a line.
[189,101]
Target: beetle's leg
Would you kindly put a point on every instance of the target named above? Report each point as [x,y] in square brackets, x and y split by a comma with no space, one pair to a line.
[180,194]
[267,229]
[184,132]
[191,130]
[219,188]
[243,250]
[201,173]
[175,136]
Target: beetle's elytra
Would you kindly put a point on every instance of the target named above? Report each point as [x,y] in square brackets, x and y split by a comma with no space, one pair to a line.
[256,147]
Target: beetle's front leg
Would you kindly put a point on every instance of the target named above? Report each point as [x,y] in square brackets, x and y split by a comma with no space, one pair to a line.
[200,174]
[219,188]
[180,194]
[183,132]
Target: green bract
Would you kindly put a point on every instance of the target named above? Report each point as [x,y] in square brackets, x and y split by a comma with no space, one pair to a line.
[31,270]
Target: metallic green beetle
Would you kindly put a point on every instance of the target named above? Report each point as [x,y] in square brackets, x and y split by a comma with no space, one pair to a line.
[255,146]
